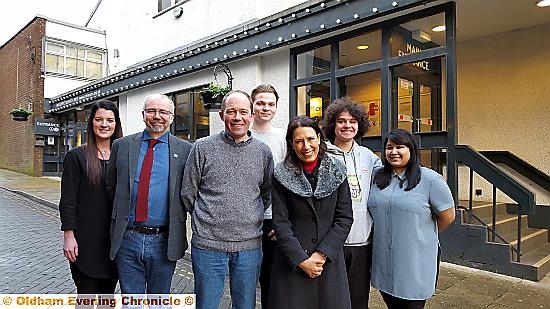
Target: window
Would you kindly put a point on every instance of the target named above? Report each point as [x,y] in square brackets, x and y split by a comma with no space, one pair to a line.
[191,119]
[74,60]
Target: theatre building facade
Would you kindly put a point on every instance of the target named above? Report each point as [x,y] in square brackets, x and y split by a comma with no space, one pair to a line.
[472,89]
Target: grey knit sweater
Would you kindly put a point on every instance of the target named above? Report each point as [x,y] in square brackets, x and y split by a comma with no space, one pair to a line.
[226,188]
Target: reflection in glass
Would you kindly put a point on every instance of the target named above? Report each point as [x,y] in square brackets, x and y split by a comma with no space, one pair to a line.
[182,115]
[200,118]
[366,89]
[313,99]
[361,49]
[417,93]
[417,35]
[313,62]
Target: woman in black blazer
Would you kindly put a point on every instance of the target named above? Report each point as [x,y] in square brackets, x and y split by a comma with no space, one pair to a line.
[84,209]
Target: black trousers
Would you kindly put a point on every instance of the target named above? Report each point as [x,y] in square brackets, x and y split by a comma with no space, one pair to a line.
[268,247]
[358,267]
[399,303]
[90,285]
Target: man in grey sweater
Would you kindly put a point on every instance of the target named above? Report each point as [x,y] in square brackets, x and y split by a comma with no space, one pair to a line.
[226,188]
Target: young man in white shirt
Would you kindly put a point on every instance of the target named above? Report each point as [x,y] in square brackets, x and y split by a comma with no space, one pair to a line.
[265,98]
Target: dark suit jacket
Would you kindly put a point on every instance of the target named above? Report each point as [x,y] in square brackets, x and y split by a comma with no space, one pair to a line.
[120,175]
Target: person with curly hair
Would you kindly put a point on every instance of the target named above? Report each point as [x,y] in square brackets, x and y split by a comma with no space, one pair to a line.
[344,122]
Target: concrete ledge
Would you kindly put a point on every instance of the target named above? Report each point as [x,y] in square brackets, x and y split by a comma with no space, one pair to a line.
[33,198]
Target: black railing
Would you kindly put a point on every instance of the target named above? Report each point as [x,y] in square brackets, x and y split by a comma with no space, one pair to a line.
[499,179]
[519,165]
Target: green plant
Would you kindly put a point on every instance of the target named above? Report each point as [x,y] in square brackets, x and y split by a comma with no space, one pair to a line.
[21,110]
[214,90]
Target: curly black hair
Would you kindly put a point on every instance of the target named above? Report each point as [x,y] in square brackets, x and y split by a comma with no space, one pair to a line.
[334,110]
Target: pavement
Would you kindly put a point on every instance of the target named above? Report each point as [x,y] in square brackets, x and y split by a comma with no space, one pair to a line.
[31,258]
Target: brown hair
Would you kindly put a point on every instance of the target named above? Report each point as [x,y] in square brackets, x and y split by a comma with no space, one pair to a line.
[264,88]
[93,165]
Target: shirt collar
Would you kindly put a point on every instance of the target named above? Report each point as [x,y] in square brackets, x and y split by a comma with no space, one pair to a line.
[162,139]
[401,175]
[231,139]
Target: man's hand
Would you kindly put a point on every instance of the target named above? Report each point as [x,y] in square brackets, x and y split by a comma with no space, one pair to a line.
[70,247]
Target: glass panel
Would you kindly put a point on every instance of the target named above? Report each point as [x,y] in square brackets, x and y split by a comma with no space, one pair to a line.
[366,89]
[57,48]
[182,115]
[94,70]
[313,99]
[71,51]
[417,35]
[417,91]
[360,49]
[95,55]
[405,91]
[75,67]
[425,121]
[200,118]
[313,62]
[54,64]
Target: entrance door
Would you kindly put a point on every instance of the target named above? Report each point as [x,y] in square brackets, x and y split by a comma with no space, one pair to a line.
[416,96]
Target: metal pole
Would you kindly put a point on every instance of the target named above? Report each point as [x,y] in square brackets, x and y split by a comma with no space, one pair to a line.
[494,212]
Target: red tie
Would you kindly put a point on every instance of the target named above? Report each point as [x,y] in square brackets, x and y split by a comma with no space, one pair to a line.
[144,180]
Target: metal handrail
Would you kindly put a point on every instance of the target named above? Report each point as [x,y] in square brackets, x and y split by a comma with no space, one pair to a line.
[501,180]
[519,165]
[471,214]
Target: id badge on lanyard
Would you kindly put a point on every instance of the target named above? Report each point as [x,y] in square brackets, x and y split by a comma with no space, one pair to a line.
[355,188]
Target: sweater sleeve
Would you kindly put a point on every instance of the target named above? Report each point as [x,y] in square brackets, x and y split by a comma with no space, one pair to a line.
[70,183]
[191,178]
[265,187]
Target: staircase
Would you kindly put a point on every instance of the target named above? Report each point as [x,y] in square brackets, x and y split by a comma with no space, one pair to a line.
[470,243]
[510,239]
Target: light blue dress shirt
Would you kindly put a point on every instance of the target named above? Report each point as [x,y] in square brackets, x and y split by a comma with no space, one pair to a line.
[405,237]
[158,186]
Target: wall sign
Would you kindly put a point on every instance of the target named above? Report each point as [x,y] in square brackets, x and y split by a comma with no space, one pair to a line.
[46,127]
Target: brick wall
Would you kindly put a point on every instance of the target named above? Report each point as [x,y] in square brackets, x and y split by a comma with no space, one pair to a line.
[20,84]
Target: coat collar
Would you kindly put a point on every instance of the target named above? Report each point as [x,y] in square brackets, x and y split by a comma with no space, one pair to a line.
[331,174]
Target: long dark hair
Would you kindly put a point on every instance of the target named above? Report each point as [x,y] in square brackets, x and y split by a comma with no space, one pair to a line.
[339,106]
[93,165]
[413,173]
[291,159]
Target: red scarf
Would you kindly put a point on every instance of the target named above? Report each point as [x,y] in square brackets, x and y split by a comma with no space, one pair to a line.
[309,167]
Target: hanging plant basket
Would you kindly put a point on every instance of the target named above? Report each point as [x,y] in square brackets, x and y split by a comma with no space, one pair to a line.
[20,114]
[212,95]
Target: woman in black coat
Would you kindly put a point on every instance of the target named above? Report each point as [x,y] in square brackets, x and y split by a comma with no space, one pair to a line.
[84,209]
[312,216]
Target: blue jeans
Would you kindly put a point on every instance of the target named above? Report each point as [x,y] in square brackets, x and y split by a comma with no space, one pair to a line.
[210,269]
[143,265]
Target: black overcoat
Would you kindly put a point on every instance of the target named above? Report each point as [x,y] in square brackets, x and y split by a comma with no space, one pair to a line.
[306,222]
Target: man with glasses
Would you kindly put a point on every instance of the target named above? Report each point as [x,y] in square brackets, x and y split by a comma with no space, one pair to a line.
[144,175]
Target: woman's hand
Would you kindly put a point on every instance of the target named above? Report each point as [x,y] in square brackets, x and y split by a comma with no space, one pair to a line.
[313,266]
[70,247]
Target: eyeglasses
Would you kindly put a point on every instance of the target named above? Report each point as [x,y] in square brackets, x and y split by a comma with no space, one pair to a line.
[162,112]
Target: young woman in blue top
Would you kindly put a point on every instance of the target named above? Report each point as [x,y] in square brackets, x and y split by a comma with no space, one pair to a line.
[409,205]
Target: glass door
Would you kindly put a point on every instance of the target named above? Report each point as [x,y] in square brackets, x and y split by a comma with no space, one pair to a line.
[417,100]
